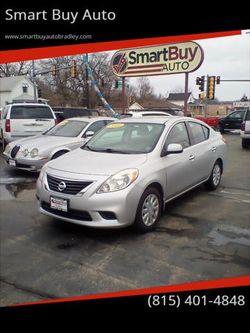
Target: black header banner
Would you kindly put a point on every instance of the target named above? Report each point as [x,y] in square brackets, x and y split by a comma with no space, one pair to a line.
[41,25]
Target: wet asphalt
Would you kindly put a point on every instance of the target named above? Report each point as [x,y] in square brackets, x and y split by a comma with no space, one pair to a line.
[201,236]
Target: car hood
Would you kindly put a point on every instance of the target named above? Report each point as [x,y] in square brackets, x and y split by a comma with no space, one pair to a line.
[95,163]
[43,142]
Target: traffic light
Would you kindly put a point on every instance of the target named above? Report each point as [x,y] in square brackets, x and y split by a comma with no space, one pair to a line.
[53,70]
[200,81]
[210,87]
[73,69]
[217,79]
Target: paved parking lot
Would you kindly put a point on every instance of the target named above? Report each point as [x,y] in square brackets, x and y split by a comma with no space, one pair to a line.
[202,235]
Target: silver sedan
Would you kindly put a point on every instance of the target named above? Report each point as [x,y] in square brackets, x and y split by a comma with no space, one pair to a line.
[33,152]
[127,172]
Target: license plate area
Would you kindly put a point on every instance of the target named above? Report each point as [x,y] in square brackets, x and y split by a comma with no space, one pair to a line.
[59,204]
[12,162]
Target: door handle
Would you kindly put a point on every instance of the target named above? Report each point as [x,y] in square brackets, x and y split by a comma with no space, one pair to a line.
[213,149]
[191,157]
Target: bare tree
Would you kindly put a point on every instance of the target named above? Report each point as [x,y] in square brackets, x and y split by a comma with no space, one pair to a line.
[65,90]
[15,69]
[144,88]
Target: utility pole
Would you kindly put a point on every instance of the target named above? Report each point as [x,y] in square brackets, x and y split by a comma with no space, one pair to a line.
[123,95]
[186,94]
[33,80]
[87,80]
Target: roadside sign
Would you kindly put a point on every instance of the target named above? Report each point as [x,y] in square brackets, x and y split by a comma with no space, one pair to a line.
[158,60]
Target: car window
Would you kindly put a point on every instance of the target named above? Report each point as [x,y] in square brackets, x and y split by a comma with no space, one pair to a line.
[31,112]
[108,121]
[178,134]
[198,132]
[236,115]
[96,126]
[247,115]
[67,128]
[206,132]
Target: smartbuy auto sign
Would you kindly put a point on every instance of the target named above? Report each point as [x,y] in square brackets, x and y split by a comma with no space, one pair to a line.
[158,60]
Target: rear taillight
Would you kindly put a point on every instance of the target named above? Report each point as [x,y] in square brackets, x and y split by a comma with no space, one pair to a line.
[57,121]
[242,126]
[7,125]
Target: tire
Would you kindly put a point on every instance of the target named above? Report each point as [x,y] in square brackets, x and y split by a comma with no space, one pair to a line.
[4,144]
[214,180]
[222,130]
[59,153]
[244,143]
[151,204]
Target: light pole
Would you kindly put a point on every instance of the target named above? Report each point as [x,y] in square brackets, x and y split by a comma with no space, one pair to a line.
[33,80]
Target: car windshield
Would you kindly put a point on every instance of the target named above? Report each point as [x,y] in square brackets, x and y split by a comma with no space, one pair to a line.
[68,128]
[126,138]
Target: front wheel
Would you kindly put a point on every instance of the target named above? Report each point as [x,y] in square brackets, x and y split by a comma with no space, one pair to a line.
[214,180]
[149,210]
[222,131]
[244,143]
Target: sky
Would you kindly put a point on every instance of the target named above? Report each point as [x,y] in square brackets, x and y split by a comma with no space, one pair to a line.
[227,57]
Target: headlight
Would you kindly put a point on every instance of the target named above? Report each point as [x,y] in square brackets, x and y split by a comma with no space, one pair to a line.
[119,181]
[25,152]
[7,149]
[41,174]
[34,152]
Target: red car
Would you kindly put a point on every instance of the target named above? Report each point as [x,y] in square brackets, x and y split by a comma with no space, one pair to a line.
[211,121]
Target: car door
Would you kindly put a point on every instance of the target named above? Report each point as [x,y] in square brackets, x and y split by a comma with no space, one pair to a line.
[203,151]
[178,167]
[234,120]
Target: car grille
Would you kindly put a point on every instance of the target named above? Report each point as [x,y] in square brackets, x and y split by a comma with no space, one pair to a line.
[14,151]
[71,214]
[72,187]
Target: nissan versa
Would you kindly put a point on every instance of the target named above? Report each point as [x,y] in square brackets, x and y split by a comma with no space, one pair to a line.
[127,172]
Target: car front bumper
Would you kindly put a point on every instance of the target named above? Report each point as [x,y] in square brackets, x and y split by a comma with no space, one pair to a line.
[106,210]
[34,164]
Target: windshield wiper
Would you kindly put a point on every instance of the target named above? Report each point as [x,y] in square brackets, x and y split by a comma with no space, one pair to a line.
[112,151]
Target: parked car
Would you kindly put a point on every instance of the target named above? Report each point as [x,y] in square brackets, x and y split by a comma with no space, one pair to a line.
[146,114]
[232,121]
[245,130]
[129,170]
[20,120]
[32,153]
[70,112]
[211,121]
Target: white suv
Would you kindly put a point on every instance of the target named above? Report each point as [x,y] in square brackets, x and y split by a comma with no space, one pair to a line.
[245,130]
[21,120]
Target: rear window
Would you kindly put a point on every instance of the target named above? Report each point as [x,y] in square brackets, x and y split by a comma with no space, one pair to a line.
[31,112]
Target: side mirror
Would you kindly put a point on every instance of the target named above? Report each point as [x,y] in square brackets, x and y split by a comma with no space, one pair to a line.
[88,134]
[172,148]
